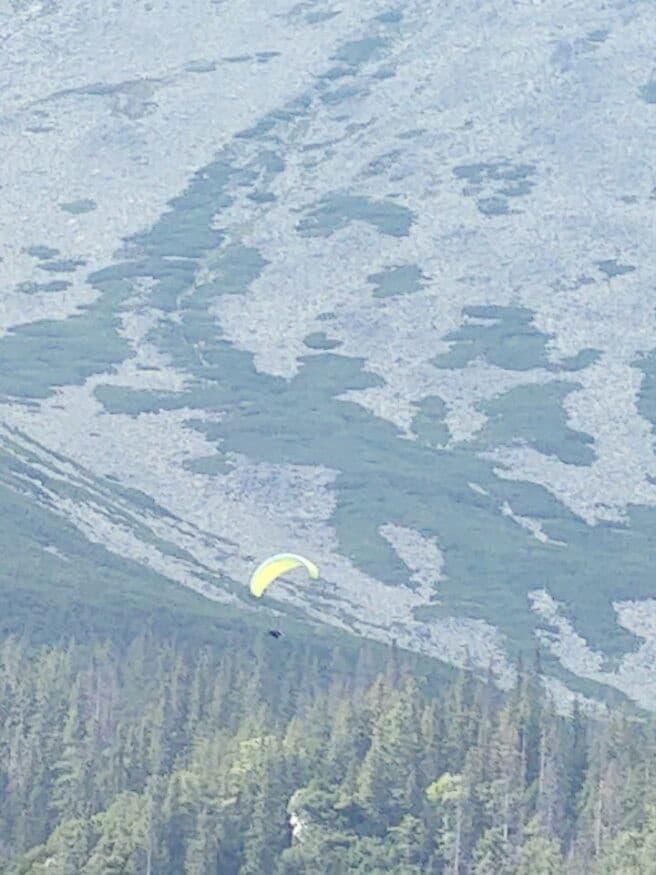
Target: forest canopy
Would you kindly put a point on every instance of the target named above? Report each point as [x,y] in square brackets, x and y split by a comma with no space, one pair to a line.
[158,757]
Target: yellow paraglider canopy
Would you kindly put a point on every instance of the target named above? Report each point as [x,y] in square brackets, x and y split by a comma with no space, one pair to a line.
[275,566]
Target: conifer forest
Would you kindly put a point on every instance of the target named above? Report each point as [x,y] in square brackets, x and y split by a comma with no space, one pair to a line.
[327,437]
[260,755]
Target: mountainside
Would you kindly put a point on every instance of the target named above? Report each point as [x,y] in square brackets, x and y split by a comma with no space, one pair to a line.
[369,282]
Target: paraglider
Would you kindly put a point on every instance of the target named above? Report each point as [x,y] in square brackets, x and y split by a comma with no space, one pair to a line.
[277,565]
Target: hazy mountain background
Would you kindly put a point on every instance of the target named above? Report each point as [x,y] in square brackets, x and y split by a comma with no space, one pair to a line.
[369,281]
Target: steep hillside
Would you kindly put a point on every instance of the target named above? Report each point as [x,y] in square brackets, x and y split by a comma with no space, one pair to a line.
[371,282]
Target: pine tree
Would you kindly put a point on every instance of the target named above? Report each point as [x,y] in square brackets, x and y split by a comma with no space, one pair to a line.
[409,844]
[122,845]
[551,790]
[460,721]
[449,795]
[201,856]
[349,740]
[539,854]
[383,788]
[268,831]
[493,854]
[70,788]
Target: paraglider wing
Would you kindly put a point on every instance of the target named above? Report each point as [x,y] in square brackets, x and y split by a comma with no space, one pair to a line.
[275,566]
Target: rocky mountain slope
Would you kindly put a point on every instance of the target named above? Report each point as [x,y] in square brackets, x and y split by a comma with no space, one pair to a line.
[369,281]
